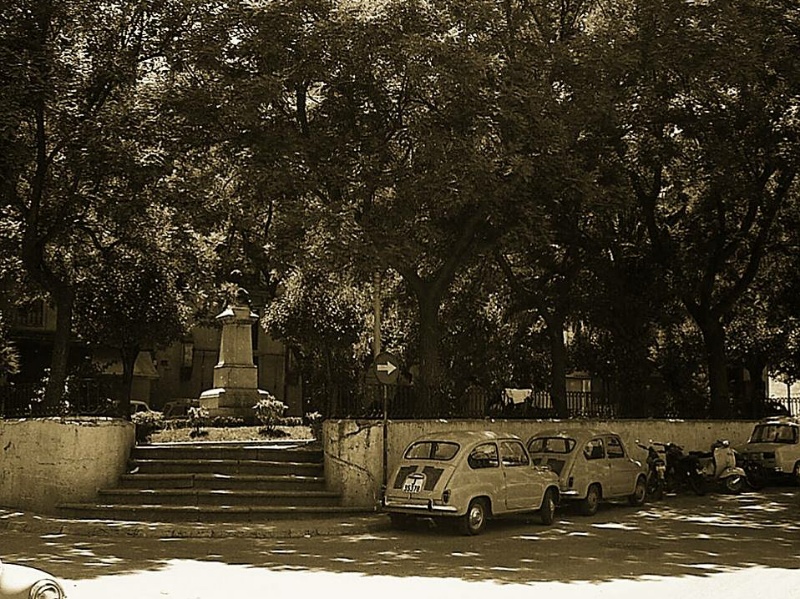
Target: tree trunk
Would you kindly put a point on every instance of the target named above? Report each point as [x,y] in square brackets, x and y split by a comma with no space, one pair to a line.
[429,389]
[714,337]
[558,368]
[64,299]
[128,356]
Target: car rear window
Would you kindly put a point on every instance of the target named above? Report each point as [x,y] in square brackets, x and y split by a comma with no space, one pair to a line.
[432,450]
[774,433]
[551,445]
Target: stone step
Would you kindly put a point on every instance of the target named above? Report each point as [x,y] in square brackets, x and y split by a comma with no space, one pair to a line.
[217,497]
[254,482]
[297,452]
[205,513]
[229,467]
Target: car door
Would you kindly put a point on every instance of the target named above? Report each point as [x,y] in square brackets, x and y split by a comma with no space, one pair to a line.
[596,464]
[484,462]
[523,489]
[621,468]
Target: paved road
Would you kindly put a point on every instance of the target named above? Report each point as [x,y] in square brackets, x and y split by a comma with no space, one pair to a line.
[719,545]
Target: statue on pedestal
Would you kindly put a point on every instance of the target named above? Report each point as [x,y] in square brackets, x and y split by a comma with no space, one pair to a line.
[235,389]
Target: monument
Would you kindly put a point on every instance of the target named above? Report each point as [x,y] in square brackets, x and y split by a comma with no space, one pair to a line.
[235,389]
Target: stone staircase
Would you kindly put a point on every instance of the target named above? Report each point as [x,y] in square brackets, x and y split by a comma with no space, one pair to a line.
[225,482]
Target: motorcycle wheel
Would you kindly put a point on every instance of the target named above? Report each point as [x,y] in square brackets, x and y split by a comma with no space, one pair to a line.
[734,484]
[756,479]
[698,484]
[655,489]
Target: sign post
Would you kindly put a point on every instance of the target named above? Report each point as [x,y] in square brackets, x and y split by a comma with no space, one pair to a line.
[387,370]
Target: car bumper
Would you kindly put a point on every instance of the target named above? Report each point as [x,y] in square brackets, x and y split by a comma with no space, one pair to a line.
[428,507]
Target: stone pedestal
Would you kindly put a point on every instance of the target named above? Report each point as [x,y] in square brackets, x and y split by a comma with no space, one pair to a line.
[235,389]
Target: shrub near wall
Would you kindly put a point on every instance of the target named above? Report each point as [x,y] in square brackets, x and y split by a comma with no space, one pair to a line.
[354,448]
[44,462]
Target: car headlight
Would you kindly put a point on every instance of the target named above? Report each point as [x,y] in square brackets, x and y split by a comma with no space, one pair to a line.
[46,589]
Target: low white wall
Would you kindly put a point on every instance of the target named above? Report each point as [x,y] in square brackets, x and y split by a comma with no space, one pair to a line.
[354,448]
[44,462]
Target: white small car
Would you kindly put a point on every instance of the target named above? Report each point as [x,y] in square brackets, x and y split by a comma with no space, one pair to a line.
[592,466]
[774,445]
[469,477]
[23,582]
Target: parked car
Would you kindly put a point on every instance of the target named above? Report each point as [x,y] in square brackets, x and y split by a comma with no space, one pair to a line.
[179,408]
[592,466]
[24,582]
[469,477]
[774,446]
[139,406]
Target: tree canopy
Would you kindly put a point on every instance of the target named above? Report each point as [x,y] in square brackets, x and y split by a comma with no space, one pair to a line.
[598,185]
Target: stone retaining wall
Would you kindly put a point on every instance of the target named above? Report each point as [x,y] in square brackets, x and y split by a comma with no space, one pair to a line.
[354,448]
[44,462]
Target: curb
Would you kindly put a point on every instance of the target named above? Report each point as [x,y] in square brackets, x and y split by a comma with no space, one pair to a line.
[23,522]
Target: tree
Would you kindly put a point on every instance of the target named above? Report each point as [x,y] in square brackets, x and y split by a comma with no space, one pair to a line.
[708,136]
[70,145]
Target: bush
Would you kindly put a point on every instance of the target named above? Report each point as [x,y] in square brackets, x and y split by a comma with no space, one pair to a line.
[268,411]
[146,423]
[198,418]
[315,421]
[227,422]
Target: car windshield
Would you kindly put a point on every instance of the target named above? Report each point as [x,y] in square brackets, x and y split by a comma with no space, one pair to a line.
[774,433]
[432,450]
[551,445]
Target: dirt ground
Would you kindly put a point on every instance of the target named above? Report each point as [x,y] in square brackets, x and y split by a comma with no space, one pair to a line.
[238,433]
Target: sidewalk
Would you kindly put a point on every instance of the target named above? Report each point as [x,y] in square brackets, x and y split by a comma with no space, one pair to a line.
[349,524]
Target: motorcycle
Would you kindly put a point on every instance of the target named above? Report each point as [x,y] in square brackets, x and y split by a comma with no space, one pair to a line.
[719,467]
[656,471]
[683,471]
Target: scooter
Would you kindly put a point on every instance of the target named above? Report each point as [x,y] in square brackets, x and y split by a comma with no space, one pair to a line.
[720,469]
[656,471]
[683,471]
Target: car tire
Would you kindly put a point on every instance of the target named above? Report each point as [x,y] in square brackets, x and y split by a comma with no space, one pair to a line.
[474,521]
[639,494]
[796,473]
[591,502]
[547,513]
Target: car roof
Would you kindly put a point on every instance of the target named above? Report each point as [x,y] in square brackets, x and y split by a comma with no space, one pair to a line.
[466,437]
[790,420]
[579,434]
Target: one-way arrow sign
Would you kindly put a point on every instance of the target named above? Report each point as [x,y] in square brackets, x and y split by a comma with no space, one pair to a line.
[387,367]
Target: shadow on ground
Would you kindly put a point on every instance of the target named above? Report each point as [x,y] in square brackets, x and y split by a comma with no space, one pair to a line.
[679,536]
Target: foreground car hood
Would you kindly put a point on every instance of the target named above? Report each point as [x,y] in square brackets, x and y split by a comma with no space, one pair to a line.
[16,582]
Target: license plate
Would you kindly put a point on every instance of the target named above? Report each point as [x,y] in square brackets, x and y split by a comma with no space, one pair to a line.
[414,483]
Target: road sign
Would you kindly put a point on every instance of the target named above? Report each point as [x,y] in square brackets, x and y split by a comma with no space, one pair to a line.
[387,368]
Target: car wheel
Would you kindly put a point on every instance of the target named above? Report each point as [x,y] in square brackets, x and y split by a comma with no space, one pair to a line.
[547,512]
[797,473]
[400,521]
[639,492]
[473,522]
[591,502]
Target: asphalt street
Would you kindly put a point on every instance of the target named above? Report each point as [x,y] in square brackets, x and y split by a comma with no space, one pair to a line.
[717,546]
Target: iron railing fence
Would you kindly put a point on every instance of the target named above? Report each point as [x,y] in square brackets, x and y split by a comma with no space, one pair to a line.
[407,402]
[82,397]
